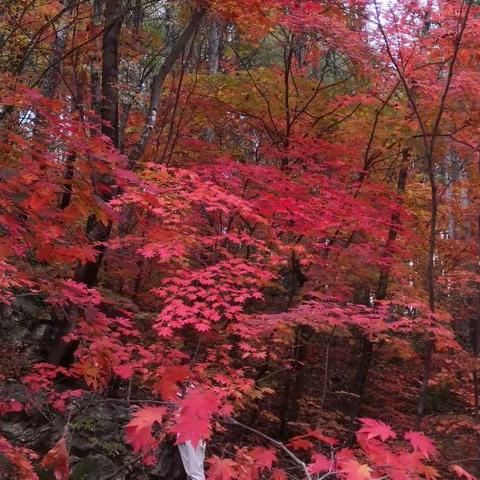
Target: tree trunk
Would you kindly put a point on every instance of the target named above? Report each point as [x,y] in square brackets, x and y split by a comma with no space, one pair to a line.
[361,376]
[214,36]
[294,386]
[96,230]
[157,84]
[52,77]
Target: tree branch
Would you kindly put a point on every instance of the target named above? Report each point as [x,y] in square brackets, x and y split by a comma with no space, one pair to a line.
[279,445]
[157,84]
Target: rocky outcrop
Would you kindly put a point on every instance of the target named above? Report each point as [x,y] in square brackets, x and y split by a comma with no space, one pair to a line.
[96,442]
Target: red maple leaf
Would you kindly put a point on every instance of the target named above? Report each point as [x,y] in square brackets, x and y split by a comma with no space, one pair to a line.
[19,457]
[320,464]
[123,371]
[139,429]
[422,443]
[323,438]
[299,443]
[373,429]
[278,474]
[57,460]
[264,458]
[168,377]
[196,410]
[353,470]
[222,469]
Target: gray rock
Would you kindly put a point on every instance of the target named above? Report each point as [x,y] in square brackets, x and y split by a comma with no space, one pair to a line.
[14,430]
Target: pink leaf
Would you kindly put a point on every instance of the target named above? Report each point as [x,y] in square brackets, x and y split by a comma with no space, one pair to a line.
[422,443]
[373,429]
[320,464]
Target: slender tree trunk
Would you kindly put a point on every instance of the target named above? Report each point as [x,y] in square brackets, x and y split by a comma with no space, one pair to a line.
[68,177]
[294,386]
[360,380]
[110,60]
[157,84]
[96,95]
[52,78]
[361,376]
[475,343]
[298,387]
[95,73]
[49,86]
[214,35]
[430,280]
[430,160]
[96,230]
[326,373]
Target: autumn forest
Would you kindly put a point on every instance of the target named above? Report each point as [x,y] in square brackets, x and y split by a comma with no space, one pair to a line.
[239,239]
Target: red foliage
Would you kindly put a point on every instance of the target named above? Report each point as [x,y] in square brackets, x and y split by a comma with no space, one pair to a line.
[57,460]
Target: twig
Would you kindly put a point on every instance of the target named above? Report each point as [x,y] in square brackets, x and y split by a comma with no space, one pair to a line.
[133,401]
[278,444]
[133,461]
[461,460]
[129,390]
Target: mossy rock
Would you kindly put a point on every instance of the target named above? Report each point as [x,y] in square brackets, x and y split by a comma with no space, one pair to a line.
[93,467]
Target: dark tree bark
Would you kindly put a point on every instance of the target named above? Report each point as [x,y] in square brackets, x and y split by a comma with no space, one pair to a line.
[96,230]
[68,177]
[475,338]
[294,385]
[110,59]
[361,375]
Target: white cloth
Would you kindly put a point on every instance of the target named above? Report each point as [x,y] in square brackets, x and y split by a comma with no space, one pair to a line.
[193,460]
